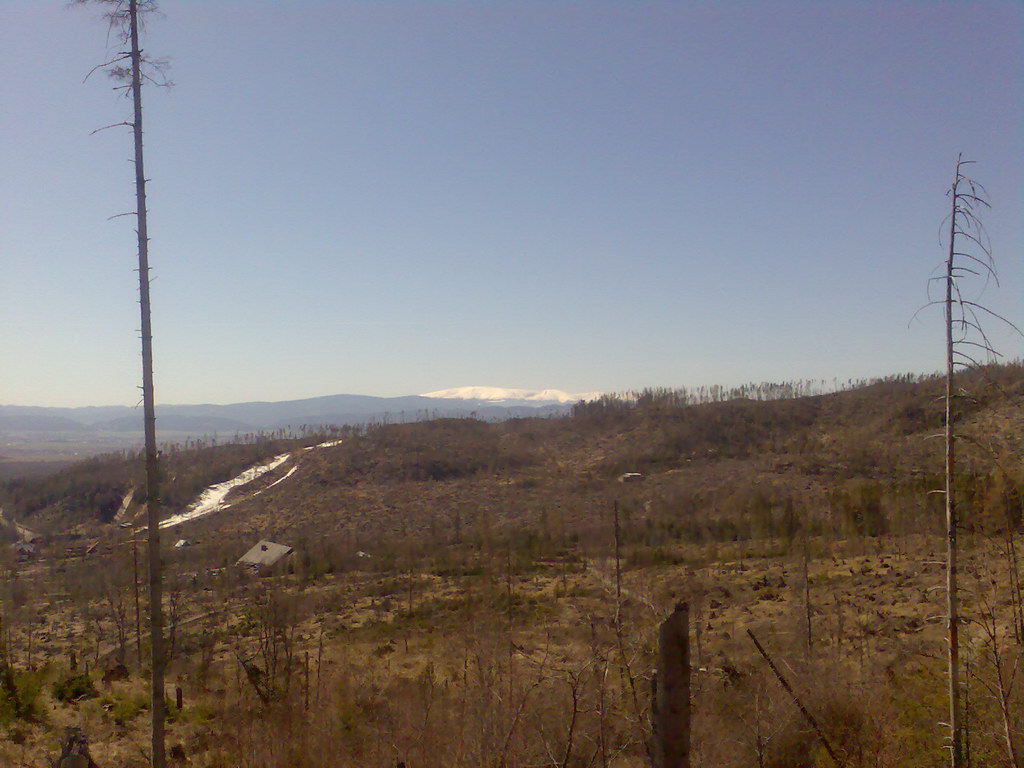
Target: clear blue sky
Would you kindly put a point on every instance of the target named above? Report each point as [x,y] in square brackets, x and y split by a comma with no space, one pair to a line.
[396,197]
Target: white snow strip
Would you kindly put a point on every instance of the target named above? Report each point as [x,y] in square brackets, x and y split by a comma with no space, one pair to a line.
[279,480]
[328,444]
[212,499]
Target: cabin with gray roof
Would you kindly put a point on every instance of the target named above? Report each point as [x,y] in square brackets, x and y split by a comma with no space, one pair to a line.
[265,554]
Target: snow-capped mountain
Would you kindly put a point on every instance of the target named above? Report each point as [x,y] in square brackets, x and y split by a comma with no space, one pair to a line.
[504,395]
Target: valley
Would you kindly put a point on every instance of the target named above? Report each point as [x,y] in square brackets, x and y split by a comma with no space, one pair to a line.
[475,593]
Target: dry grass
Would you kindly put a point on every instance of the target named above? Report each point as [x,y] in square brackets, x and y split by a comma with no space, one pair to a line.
[463,678]
[481,630]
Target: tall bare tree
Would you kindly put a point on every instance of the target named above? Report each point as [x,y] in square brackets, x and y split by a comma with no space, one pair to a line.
[969,256]
[128,66]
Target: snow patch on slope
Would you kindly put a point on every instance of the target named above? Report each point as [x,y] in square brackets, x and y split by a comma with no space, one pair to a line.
[212,499]
[500,395]
[287,474]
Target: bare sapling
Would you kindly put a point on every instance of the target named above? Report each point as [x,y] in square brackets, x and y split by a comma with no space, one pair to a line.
[1000,686]
[625,662]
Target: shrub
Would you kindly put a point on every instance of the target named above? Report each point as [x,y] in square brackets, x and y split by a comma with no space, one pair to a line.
[74,687]
[21,703]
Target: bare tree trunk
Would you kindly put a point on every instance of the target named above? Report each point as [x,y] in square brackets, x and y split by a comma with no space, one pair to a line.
[620,641]
[135,584]
[511,642]
[952,617]
[1013,573]
[805,558]
[1004,710]
[618,565]
[152,470]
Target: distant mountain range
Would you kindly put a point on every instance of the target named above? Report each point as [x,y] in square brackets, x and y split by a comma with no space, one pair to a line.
[488,403]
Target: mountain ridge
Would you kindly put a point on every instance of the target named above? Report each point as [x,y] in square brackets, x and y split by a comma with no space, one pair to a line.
[255,416]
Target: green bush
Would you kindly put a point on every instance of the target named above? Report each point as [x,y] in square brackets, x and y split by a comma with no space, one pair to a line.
[125,710]
[74,687]
[21,703]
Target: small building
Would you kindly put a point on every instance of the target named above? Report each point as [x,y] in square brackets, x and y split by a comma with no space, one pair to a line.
[265,554]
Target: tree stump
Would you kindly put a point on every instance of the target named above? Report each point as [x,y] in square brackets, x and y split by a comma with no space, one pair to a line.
[74,752]
[672,692]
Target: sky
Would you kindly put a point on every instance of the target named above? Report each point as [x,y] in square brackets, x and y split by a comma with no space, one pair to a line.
[397,196]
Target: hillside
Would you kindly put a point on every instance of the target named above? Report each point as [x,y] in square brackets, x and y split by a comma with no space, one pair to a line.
[739,462]
[466,593]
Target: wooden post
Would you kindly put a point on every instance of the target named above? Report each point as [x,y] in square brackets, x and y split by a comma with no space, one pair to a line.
[179,697]
[672,694]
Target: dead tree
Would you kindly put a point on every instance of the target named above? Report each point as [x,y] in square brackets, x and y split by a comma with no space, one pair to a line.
[969,255]
[128,67]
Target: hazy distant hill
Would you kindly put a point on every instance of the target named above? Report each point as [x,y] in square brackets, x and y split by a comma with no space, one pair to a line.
[206,419]
[38,422]
[174,422]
